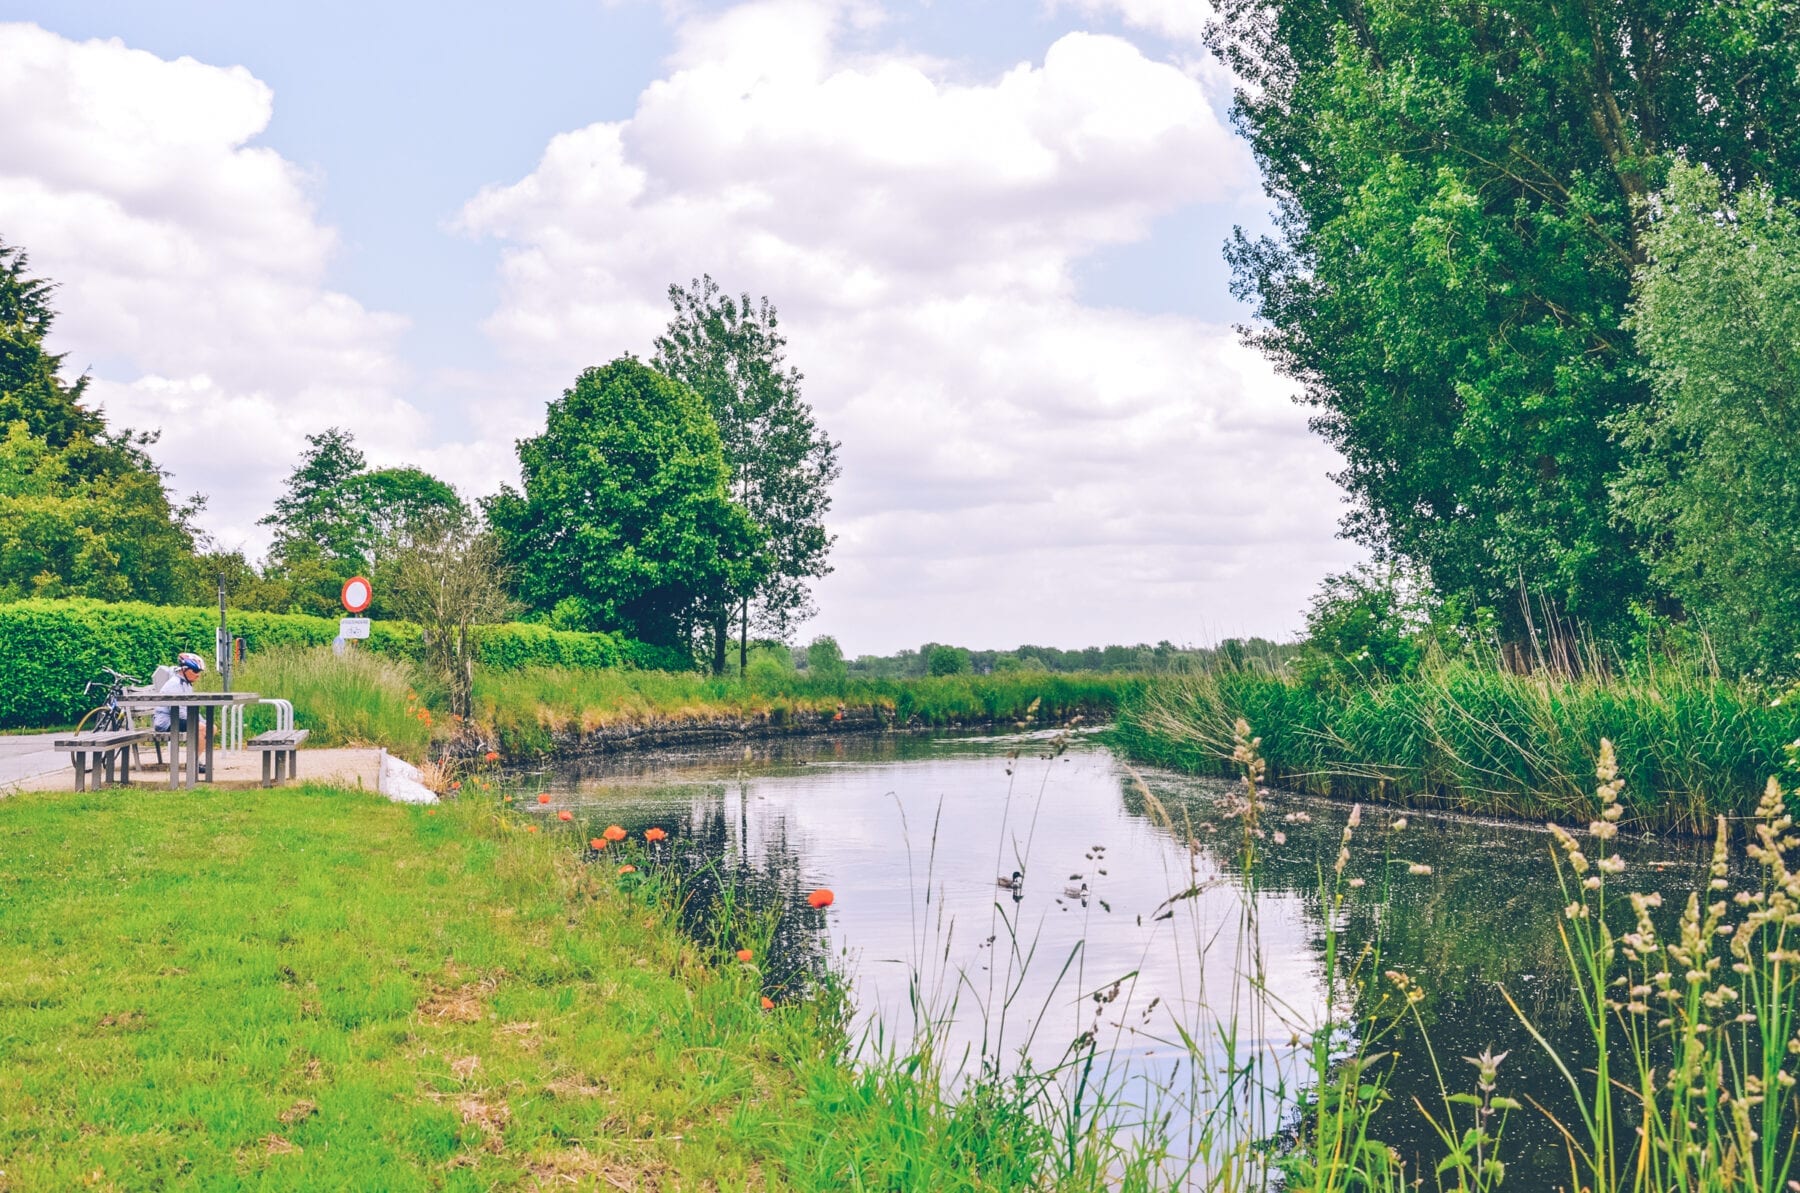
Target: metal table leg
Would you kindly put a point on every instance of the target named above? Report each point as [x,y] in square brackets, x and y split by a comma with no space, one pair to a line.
[212,735]
[193,747]
[174,750]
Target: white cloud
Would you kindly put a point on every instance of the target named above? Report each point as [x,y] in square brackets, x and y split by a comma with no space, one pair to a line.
[1017,465]
[190,261]
[1182,21]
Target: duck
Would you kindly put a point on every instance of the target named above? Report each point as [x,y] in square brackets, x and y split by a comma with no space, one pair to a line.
[1076,892]
[1015,883]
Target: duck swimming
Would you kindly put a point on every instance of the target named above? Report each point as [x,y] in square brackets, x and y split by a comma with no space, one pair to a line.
[1015,884]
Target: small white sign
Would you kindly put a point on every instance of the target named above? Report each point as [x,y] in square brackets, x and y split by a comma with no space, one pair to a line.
[353,627]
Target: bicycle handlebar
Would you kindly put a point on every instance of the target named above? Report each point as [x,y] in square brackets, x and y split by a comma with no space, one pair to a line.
[120,679]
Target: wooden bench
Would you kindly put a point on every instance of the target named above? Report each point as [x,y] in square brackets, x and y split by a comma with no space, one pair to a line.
[109,752]
[280,747]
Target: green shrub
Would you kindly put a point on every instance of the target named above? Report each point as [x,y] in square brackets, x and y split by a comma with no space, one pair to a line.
[50,649]
[509,647]
[948,660]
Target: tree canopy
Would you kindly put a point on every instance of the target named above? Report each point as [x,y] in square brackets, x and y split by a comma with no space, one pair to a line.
[31,388]
[1457,189]
[337,517]
[83,511]
[732,353]
[1710,476]
[626,520]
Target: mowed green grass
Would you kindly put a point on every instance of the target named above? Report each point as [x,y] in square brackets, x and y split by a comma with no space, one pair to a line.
[314,989]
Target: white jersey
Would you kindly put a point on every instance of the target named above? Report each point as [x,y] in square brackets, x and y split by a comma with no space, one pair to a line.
[174,686]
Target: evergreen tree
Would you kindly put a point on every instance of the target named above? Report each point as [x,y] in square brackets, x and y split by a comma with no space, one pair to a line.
[83,510]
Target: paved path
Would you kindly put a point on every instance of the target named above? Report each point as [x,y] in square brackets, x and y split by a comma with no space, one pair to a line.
[27,764]
[26,756]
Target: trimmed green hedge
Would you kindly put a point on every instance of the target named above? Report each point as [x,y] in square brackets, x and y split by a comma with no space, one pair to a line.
[50,649]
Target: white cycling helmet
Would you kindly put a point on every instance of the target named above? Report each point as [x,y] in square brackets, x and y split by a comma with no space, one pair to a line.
[190,661]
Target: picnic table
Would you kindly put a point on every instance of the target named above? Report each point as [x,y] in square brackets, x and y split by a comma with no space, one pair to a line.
[193,705]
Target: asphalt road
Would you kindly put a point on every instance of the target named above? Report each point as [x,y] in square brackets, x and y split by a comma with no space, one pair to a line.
[26,754]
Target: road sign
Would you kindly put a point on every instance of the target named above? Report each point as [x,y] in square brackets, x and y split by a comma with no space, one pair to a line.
[357,594]
[353,627]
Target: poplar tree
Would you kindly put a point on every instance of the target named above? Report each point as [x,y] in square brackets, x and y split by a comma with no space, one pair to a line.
[732,353]
[1460,192]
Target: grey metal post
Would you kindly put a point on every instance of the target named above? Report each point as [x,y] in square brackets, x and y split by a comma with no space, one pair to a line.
[224,651]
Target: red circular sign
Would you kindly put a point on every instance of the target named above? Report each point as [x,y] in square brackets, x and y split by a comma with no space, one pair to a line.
[357,594]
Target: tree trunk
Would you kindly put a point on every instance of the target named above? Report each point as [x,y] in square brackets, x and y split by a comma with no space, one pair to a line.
[744,639]
[721,630]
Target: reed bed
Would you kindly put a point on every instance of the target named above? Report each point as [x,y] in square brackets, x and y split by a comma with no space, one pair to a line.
[1483,740]
[537,710]
[362,698]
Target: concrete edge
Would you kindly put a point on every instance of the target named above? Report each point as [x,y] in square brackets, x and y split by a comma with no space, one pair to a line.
[400,781]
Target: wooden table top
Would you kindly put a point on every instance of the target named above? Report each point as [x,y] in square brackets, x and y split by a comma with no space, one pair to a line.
[194,698]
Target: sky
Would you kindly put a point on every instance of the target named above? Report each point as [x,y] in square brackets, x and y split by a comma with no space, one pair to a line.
[992,228]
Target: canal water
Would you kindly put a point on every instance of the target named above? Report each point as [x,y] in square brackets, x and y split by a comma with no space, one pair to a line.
[1136,923]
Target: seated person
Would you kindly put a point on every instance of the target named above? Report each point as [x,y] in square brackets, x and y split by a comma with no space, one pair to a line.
[188,667]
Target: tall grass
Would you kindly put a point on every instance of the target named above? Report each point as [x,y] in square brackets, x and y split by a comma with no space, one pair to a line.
[1695,1025]
[358,699]
[362,698]
[1481,739]
[535,710]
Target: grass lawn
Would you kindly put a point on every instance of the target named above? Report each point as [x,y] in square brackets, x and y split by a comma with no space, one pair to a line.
[315,989]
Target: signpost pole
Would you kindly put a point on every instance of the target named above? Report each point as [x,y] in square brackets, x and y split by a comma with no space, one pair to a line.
[224,652]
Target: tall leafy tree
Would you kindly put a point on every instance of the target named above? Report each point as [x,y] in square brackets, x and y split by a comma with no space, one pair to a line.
[395,501]
[1710,479]
[114,537]
[825,660]
[336,517]
[626,519]
[1457,190]
[83,510]
[316,517]
[732,353]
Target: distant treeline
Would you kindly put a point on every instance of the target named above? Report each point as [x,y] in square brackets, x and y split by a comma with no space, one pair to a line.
[935,658]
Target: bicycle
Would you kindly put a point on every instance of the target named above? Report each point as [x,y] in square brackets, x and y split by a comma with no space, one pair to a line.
[112,715]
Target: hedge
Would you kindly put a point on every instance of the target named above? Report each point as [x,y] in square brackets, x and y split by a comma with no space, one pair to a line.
[50,649]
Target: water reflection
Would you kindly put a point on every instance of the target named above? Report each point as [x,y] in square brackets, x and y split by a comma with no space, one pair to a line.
[1139,901]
